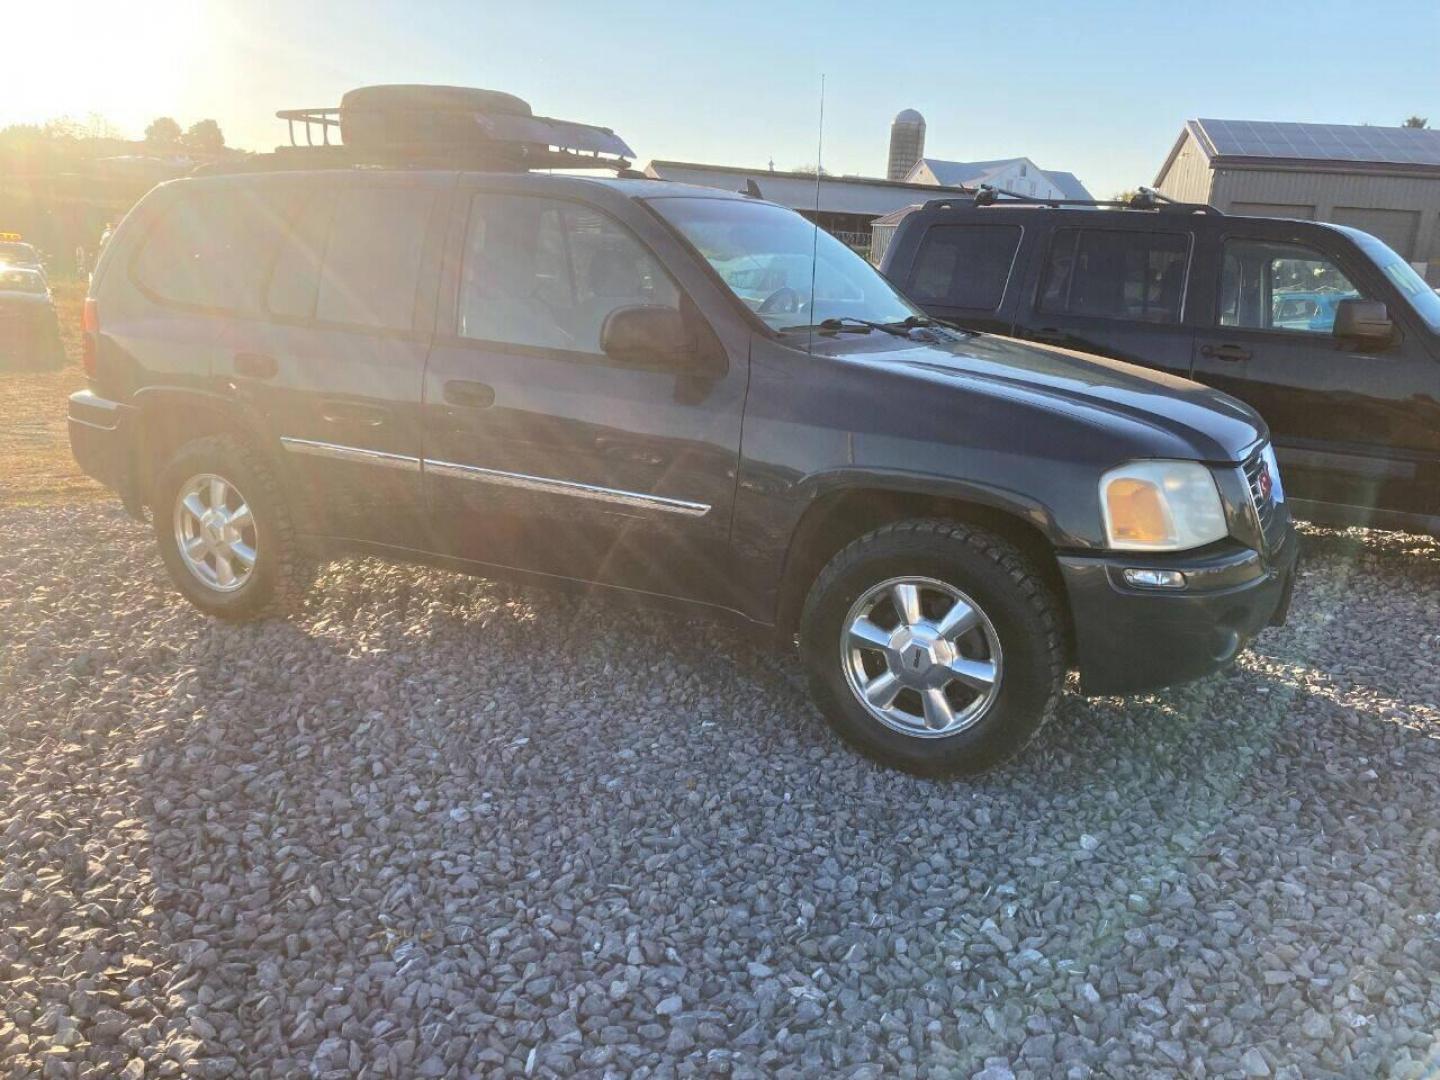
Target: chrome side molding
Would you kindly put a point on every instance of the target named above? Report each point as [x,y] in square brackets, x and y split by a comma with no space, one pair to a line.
[337,452]
[566,487]
[524,481]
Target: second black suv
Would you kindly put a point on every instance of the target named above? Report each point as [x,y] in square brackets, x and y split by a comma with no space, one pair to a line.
[1330,335]
[574,379]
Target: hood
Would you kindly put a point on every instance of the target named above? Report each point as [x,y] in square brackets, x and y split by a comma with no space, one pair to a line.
[1206,424]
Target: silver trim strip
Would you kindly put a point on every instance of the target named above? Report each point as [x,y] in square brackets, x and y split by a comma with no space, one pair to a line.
[92,424]
[350,453]
[523,481]
[566,487]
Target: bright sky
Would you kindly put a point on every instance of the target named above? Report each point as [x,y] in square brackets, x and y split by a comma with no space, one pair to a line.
[1098,88]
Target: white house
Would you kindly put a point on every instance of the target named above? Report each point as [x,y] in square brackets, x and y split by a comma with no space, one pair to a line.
[1020,175]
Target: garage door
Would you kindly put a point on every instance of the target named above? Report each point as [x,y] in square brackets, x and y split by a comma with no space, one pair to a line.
[1274,209]
[1396,227]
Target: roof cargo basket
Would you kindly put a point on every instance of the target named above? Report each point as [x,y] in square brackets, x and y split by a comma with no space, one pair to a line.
[448,126]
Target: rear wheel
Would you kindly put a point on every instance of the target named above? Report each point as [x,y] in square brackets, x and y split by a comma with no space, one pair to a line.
[225,531]
[934,646]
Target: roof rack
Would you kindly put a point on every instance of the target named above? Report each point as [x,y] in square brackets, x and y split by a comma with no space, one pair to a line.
[445,126]
[1144,199]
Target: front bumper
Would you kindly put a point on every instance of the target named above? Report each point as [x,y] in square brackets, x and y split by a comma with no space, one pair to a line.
[1129,639]
[102,440]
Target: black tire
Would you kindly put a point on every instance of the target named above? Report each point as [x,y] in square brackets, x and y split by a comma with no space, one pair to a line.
[281,572]
[1012,593]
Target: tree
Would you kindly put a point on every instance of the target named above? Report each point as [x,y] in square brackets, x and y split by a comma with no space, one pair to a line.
[163,131]
[1125,196]
[810,170]
[1416,122]
[205,135]
[63,127]
[22,135]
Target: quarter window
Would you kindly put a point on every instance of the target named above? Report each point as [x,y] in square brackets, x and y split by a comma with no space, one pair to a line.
[965,266]
[545,274]
[213,247]
[1278,286]
[1118,275]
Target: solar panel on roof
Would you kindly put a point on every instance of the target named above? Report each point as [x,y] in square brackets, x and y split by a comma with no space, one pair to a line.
[1342,142]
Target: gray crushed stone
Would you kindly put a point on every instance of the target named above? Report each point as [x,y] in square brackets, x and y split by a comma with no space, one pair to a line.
[441,827]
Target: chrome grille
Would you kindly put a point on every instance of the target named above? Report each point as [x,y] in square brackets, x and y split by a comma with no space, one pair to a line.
[1270,517]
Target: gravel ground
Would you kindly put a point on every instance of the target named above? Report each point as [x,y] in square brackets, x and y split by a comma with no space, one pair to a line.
[443,827]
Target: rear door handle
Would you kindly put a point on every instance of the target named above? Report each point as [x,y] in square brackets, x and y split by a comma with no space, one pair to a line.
[1049,333]
[469,394]
[1232,353]
[353,413]
[255,365]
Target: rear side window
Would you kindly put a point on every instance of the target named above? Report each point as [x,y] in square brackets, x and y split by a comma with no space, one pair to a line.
[372,262]
[1137,276]
[213,247]
[965,266]
[295,282]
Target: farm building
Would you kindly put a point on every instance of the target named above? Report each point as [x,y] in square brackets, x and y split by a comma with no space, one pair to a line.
[1381,179]
[843,205]
[1020,175]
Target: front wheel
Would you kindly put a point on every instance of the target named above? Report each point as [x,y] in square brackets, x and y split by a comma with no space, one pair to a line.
[225,531]
[934,646]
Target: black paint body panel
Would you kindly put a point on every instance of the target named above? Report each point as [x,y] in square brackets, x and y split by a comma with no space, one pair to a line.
[689,485]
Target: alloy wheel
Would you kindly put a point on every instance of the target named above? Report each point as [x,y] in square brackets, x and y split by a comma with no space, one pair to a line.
[215,532]
[921,657]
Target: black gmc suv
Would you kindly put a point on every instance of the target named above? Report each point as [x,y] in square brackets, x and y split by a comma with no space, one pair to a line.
[572,378]
[1329,334]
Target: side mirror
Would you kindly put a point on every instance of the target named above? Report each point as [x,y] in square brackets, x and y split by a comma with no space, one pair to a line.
[1365,321]
[653,337]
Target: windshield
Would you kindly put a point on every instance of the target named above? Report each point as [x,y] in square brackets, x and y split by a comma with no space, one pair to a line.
[768,256]
[17,253]
[1402,275]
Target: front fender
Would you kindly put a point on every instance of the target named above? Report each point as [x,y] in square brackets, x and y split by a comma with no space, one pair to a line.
[959,489]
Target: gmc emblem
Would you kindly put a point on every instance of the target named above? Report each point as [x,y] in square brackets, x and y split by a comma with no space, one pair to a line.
[1266,483]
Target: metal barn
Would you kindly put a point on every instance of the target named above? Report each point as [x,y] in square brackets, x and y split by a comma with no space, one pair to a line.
[1380,179]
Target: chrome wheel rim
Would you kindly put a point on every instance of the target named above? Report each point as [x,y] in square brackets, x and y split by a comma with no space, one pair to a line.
[921,657]
[215,532]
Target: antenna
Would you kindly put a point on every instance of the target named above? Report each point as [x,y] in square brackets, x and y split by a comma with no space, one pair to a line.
[815,240]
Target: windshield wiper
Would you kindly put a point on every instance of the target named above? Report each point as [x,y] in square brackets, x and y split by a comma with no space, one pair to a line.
[922,322]
[836,324]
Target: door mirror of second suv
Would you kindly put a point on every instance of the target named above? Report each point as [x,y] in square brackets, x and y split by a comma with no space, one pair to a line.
[1365,321]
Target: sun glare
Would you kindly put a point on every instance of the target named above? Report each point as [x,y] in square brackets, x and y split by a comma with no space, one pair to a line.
[125,62]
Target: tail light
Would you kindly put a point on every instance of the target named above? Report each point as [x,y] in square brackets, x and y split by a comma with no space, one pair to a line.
[91,326]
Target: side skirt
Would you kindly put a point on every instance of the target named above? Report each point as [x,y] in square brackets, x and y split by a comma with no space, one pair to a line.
[335,546]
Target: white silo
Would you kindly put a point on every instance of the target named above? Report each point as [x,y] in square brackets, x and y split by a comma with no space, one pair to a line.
[907,143]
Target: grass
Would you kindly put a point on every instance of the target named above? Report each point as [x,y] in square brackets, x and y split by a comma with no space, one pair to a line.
[35,461]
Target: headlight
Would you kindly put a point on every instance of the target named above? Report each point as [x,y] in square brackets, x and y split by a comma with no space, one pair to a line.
[1161,506]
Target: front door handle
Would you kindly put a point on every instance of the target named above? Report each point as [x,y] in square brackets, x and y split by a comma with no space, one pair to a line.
[1232,353]
[468,394]
[353,413]
[255,365]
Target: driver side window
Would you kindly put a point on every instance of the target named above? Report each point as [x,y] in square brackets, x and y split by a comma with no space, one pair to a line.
[1278,286]
[542,273]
